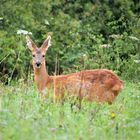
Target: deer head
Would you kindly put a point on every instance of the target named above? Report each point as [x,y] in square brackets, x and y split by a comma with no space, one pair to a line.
[38,54]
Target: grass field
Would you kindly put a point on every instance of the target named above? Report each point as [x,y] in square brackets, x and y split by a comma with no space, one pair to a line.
[24,117]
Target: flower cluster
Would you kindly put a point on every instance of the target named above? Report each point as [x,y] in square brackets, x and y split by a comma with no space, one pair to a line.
[23,32]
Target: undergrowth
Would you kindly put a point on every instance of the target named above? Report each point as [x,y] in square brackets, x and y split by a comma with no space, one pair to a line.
[23,116]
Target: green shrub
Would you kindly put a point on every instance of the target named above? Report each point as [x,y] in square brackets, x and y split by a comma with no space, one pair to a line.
[79,29]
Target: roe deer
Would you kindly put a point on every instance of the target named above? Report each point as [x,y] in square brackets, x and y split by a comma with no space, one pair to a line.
[101,85]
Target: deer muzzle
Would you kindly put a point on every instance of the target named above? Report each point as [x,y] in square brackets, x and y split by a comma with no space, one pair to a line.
[38,64]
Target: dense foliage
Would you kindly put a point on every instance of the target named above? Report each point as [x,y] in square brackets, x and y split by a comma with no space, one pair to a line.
[79,29]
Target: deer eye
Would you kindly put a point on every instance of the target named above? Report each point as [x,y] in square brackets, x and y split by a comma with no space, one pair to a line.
[43,55]
[33,55]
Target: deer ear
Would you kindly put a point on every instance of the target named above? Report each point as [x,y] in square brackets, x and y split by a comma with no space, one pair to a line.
[47,43]
[31,45]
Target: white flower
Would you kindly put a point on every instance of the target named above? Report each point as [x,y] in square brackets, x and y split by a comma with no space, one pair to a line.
[105,46]
[23,32]
[137,61]
[116,36]
[1,18]
[47,22]
[134,38]
[84,55]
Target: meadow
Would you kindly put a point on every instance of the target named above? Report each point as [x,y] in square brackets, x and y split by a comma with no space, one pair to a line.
[23,116]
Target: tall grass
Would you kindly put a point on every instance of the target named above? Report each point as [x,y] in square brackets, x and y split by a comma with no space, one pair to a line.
[23,116]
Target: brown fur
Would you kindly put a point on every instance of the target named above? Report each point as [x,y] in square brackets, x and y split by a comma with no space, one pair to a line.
[101,85]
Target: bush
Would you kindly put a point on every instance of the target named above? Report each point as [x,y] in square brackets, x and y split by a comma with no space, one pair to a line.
[79,29]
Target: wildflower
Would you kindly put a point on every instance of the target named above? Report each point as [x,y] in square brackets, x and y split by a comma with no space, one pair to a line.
[134,38]
[47,22]
[85,56]
[1,18]
[116,36]
[113,115]
[137,61]
[23,32]
[105,46]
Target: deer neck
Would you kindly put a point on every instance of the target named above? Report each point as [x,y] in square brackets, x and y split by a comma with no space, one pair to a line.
[41,77]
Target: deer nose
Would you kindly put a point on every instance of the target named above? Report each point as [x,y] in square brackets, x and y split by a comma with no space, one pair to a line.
[38,64]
